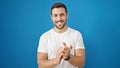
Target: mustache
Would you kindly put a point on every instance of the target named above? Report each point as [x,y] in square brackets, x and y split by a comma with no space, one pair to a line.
[60,21]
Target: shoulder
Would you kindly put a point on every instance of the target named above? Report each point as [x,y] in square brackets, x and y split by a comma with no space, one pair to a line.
[75,33]
[71,30]
[47,33]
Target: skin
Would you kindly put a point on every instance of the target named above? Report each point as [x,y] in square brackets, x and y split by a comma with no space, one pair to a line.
[59,18]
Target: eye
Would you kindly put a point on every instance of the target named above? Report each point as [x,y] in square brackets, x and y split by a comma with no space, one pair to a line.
[62,14]
[55,15]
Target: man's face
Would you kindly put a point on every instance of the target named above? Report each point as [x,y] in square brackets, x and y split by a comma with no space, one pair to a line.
[59,17]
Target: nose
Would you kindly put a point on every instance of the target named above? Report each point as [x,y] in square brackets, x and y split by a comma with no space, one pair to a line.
[59,18]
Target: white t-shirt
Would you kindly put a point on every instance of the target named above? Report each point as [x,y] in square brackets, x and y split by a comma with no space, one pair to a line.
[51,41]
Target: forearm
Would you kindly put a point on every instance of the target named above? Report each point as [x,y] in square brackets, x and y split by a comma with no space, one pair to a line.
[42,63]
[77,61]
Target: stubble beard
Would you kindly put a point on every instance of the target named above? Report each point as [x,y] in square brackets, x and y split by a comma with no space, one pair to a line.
[61,27]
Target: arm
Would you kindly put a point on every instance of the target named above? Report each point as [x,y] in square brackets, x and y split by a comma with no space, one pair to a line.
[79,58]
[43,61]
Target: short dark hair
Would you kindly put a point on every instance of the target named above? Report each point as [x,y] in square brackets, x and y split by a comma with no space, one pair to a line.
[58,5]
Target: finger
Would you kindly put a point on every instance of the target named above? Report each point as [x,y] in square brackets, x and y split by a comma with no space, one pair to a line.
[64,55]
[67,53]
[59,51]
[60,56]
[64,44]
[65,47]
[58,59]
[70,47]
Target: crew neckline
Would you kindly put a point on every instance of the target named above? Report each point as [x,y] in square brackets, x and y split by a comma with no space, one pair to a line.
[60,33]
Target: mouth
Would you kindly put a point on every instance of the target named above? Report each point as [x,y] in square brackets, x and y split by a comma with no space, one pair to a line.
[60,23]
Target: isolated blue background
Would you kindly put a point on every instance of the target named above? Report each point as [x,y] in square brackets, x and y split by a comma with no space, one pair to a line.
[23,21]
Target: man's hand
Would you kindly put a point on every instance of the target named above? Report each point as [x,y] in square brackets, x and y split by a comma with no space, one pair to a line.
[64,51]
[58,58]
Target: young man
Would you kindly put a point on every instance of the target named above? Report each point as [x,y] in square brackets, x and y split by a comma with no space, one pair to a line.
[61,46]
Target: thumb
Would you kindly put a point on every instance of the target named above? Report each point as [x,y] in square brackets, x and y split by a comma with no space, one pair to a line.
[64,44]
[60,56]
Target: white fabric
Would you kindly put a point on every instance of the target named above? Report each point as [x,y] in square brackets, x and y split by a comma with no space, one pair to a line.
[51,41]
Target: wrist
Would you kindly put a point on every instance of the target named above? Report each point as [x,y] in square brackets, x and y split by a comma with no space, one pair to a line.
[68,58]
[55,62]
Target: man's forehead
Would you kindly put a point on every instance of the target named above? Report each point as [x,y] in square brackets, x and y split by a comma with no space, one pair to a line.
[58,10]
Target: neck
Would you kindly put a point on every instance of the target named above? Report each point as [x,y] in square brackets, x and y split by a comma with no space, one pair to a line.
[60,30]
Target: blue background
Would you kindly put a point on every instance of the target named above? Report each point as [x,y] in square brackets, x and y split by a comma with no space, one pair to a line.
[23,21]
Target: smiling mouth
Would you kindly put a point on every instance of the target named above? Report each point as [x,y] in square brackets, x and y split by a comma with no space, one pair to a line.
[59,23]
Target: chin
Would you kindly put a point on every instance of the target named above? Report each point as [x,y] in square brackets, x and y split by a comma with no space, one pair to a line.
[60,27]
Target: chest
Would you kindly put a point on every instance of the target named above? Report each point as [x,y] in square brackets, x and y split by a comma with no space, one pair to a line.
[55,42]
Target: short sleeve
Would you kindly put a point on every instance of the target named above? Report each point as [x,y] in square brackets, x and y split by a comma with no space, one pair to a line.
[79,41]
[42,47]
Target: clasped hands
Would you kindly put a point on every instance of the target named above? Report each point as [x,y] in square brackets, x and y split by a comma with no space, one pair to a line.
[62,53]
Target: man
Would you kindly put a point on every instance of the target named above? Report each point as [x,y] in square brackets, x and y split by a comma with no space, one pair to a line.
[61,46]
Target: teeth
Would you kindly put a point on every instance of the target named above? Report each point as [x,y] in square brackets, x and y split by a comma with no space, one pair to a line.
[59,23]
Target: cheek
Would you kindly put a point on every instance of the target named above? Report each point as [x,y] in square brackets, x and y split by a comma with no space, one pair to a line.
[64,18]
[54,20]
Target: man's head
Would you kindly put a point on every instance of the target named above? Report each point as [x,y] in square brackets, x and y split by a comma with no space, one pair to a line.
[59,15]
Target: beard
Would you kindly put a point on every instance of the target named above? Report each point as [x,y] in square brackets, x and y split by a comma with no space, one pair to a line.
[60,26]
